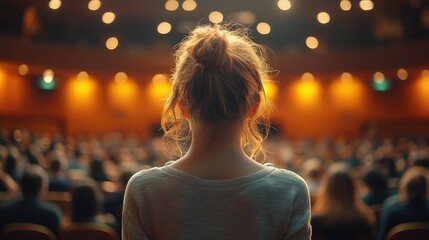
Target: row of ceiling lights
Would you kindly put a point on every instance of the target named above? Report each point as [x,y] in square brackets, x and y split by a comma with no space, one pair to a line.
[48,75]
[217,17]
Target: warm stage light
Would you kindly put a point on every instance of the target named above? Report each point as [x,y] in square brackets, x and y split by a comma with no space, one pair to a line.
[23,69]
[171,5]
[307,77]
[48,76]
[112,43]
[378,77]
[160,88]
[244,17]
[121,77]
[366,5]
[263,28]
[54,4]
[270,89]
[94,5]
[402,74]
[307,91]
[83,75]
[164,28]
[108,17]
[323,17]
[284,5]
[425,75]
[312,42]
[346,77]
[216,17]
[189,5]
[345,5]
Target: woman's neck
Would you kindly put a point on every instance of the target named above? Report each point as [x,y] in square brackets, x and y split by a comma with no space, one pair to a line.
[216,153]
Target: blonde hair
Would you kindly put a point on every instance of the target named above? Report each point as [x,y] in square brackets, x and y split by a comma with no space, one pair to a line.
[217,78]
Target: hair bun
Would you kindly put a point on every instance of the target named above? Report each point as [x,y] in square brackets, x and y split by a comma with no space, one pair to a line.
[210,50]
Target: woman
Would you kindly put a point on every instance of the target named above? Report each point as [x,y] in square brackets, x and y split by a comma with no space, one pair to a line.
[338,213]
[215,190]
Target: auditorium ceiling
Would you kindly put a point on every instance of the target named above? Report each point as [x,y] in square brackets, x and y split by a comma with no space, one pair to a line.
[135,24]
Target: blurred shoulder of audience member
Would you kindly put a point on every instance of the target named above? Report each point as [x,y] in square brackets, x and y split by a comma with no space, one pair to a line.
[31,209]
[58,181]
[413,203]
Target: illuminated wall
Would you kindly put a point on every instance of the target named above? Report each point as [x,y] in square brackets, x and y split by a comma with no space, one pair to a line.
[310,105]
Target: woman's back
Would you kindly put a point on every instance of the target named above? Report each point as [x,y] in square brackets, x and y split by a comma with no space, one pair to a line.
[172,204]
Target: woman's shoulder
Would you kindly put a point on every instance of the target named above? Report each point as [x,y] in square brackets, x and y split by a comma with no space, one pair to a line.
[287,176]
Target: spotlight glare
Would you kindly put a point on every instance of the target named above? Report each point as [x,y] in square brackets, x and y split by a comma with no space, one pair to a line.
[323,17]
[108,17]
[164,28]
[366,5]
[345,5]
[216,17]
[94,5]
[23,69]
[263,28]
[402,74]
[171,5]
[54,4]
[112,43]
[284,5]
[312,42]
[189,5]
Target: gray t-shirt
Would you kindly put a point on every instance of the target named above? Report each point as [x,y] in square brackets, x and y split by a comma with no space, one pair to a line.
[167,203]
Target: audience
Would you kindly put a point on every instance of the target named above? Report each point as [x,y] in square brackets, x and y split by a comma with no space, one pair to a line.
[305,157]
[338,213]
[58,181]
[31,209]
[413,205]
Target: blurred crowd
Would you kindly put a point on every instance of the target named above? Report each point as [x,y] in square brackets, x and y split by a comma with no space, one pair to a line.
[356,185]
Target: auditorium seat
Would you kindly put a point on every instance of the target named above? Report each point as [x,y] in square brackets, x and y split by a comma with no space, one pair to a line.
[408,231]
[61,199]
[88,231]
[26,231]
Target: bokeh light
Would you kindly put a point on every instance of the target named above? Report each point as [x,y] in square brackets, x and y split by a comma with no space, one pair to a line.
[83,75]
[112,43]
[216,17]
[284,5]
[94,5]
[54,4]
[323,17]
[263,28]
[171,5]
[164,28]
[345,5]
[307,77]
[23,69]
[346,77]
[121,77]
[189,5]
[402,74]
[366,5]
[108,17]
[312,42]
[48,75]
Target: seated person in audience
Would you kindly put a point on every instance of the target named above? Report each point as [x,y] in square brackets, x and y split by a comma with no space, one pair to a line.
[7,184]
[413,205]
[338,213]
[86,204]
[31,209]
[97,171]
[58,181]
[377,188]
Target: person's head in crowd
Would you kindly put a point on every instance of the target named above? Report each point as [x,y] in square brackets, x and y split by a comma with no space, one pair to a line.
[217,87]
[86,200]
[97,171]
[413,186]
[10,166]
[376,182]
[337,198]
[34,181]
